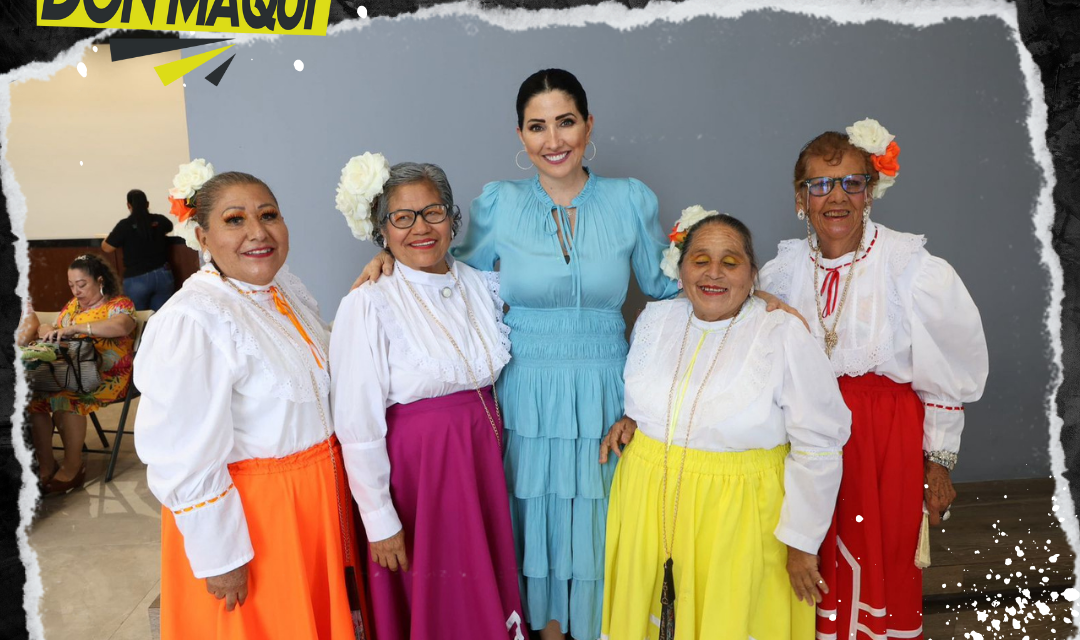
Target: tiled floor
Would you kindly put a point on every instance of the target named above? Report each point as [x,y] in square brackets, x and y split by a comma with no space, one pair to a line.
[99,549]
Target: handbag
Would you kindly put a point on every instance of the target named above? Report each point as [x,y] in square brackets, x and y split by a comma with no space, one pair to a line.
[76,366]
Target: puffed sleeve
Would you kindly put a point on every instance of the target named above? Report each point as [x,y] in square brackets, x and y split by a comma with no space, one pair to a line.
[948,351]
[359,390]
[184,434]
[649,244]
[478,248]
[818,425]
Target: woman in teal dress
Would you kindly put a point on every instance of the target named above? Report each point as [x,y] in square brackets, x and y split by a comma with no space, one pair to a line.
[566,241]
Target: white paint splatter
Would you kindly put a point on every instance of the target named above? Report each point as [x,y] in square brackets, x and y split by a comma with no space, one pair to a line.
[298,65]
[81,68]
[1070,594]
[95,48]
[858,518]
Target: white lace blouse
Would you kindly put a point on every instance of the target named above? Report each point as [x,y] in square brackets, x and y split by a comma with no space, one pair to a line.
[907,317]
[387,350]
[222,381]
[771,385]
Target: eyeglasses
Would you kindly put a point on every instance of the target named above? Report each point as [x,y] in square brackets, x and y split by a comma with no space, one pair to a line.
[432,214]
[854,183]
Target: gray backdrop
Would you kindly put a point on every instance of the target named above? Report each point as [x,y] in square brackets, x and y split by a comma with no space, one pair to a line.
[709,112]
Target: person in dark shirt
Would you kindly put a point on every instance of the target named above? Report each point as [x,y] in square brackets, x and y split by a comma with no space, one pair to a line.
[148,281]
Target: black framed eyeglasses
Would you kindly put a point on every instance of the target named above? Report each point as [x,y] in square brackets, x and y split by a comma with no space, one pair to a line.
[433,214]
[854,183]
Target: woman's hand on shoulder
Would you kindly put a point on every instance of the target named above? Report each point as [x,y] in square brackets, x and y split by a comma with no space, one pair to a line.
[381,265]
[620,435]
[232,586]
[772,303]
[390,553]
[806,581]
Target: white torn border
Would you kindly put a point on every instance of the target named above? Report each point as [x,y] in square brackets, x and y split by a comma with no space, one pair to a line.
[918,13]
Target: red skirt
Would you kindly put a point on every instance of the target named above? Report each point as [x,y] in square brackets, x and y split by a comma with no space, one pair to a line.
[868,556]
[296,581]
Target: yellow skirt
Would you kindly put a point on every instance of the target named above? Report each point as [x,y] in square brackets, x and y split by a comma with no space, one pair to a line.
[730,571]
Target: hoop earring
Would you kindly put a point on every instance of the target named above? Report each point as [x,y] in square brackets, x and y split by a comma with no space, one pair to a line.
[590,158]
[518,155]
[206,257]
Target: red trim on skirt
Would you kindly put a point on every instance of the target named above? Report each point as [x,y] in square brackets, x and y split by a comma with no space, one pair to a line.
[868,556]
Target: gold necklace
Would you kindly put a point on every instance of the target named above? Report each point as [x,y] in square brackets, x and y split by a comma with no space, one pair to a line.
[468,367]
[831,339]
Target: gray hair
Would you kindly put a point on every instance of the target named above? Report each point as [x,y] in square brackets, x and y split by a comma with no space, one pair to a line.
[405,173]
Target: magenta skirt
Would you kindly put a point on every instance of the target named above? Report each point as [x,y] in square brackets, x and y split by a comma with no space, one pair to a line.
[448,486]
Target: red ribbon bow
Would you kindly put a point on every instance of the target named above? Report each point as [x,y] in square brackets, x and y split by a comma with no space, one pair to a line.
[830,288]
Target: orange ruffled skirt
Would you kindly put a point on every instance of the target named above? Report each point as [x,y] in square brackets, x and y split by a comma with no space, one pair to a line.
[296,581]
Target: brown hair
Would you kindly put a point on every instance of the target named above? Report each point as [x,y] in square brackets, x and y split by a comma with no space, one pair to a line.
[207,196]
[831,147]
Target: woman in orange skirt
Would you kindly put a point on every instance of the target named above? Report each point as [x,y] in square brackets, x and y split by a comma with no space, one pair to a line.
[234,425]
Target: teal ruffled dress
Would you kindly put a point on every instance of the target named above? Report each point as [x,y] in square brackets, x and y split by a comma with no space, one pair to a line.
[563,388]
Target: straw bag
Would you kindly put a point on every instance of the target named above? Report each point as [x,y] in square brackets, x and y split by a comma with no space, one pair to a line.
[71,365]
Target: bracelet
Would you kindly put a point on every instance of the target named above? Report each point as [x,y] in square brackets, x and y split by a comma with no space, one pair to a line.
[946,459]
[89,331]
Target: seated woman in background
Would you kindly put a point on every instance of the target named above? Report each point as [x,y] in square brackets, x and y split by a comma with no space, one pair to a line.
[726,491]
[99,311]
[142,235]
[414,357]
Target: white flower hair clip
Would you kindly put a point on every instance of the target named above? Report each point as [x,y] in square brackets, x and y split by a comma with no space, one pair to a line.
[690,216]
[876,140]
[362,179]
[186,184]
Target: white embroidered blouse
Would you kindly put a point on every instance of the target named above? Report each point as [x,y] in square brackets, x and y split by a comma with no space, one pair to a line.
[907,317]
[222,381]
[386,350]
[771,385]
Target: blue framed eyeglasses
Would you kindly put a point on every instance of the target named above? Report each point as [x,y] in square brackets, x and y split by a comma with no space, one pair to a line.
[852,184]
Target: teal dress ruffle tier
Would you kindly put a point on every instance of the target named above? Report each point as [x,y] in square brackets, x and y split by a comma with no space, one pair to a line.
[563,387]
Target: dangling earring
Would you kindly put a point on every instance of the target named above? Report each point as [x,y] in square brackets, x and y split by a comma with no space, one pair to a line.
[679,284]
[518,155]
[801,213]
[206,257]
[590,158]
[752,290]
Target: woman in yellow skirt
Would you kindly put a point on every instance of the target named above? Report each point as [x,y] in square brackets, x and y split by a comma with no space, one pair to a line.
[726,490]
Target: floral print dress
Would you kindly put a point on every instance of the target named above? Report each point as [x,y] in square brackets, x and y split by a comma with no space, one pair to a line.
[116,356]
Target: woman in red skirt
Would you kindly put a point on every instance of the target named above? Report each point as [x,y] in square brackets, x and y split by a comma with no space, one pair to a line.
[906,341]
[415,356]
